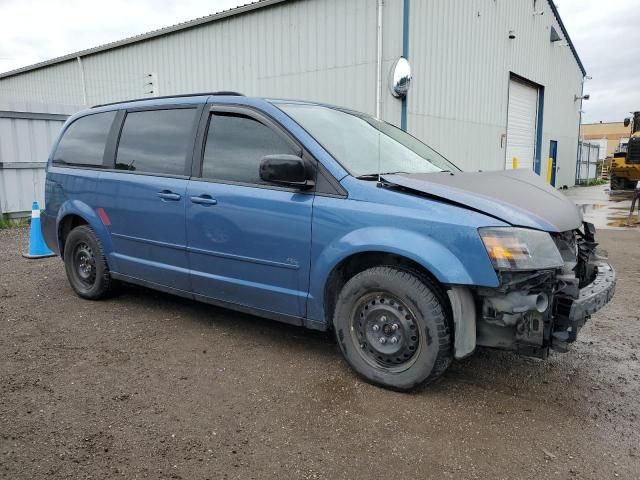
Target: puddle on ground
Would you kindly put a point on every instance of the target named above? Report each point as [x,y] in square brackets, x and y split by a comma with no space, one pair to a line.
[621,195]
[607,209]
[628,222]
[602,214]
[588,207]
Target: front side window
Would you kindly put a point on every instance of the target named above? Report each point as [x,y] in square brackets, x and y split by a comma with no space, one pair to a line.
[364,145]
[156,141]
[235,146]
[84,141]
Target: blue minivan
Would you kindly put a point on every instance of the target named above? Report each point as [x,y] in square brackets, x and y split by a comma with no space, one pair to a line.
[323,217]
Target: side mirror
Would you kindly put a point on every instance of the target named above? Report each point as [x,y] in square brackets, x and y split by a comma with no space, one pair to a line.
[627,122]
[287,170]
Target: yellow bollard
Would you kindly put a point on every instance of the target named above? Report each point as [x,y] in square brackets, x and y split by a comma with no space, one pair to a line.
[549,169]
[515,163]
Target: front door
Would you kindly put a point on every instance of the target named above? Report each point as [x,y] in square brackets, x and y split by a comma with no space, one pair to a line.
[143,198]
[248,241]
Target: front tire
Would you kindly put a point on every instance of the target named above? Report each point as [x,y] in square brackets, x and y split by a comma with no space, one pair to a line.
[392,328]
[617,183]
[86,265]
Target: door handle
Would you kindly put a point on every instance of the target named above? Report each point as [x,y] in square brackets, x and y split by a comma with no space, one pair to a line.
[205,200]
[169,195]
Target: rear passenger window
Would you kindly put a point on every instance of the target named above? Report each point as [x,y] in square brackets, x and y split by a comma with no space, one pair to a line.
[83,142]
[236,144]
[156,141]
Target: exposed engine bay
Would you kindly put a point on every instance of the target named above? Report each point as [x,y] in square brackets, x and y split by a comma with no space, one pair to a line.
[533,311]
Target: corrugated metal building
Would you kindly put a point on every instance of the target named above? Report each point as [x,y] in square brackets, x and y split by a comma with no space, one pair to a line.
[27,131]
[492,79]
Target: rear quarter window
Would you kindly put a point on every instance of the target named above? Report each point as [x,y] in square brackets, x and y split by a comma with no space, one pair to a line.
[84,141]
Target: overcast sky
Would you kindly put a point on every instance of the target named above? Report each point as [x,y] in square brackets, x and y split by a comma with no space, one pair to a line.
[606,34]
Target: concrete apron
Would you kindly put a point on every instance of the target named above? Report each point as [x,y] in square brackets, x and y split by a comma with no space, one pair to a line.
[606,209]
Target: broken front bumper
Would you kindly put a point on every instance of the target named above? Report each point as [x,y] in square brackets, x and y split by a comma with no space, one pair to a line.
[595,295]
[571,314]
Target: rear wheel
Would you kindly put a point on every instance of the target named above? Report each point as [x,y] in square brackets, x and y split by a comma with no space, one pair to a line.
[86,265]
[392,328]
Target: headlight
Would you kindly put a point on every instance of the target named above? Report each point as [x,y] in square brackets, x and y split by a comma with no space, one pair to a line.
[520,248]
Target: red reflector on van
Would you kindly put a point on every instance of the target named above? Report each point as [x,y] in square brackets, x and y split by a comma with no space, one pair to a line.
[103,216]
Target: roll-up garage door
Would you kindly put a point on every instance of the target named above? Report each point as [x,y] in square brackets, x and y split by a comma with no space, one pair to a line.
[522,120]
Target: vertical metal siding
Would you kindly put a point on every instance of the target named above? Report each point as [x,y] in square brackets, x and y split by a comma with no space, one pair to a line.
[24,149]
[56,84]
[312,49]
[462,58]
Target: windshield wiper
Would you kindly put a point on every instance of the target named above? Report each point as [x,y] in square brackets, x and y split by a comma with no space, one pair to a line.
[368,176]
[375,176]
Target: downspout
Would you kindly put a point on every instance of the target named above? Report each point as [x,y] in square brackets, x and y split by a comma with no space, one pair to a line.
[379,62]
[405,54]
[84,85]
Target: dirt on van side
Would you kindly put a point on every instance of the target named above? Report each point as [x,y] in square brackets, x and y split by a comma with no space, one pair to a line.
[146,385]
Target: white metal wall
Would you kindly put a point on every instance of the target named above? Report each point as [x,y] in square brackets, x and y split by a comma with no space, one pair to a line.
[322,50]
[55,84]
[463,57]
[325,50]
[24,149]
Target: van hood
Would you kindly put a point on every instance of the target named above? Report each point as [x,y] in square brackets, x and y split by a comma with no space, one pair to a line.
[518,197]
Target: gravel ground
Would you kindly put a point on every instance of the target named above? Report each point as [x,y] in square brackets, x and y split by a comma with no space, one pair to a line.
[147,385]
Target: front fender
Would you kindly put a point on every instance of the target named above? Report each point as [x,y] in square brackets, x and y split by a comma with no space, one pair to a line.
[434,256]
[81,209]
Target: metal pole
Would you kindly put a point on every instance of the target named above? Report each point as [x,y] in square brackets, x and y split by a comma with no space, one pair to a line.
[579,162]
[588,160]
[379,62]
[405,54]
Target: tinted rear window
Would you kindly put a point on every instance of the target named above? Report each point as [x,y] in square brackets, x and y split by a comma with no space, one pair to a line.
[83,142]
[156,141]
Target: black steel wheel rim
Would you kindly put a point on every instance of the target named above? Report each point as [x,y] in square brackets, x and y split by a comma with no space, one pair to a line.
[84,263]
[385,331]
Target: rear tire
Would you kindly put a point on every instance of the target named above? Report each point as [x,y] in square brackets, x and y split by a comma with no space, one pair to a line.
[86,265]
[392,328]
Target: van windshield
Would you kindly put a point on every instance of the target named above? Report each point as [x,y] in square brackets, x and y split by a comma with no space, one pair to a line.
[365,146]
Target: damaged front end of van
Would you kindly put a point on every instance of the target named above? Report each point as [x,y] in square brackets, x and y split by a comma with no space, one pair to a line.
[551,274]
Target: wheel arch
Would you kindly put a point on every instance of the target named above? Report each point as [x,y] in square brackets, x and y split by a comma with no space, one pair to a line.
[358,262]
[75,213]
[406,248]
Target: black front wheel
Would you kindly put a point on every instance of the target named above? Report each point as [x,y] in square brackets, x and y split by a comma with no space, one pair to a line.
[86,265]
[392,328]
[617,183]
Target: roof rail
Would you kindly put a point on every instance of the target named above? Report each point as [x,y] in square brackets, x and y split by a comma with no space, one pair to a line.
[204,94]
